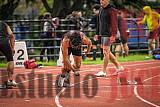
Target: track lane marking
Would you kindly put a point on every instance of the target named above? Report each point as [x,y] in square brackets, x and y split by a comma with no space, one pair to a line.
[58,95]
[142,99]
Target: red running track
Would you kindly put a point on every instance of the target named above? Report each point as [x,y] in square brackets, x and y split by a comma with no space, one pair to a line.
[37,88]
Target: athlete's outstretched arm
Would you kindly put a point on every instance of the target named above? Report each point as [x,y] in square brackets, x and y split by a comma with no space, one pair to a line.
[142,21]
[87,42]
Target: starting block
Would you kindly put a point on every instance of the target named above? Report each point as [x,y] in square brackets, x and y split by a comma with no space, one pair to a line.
[138,81]
[63,80]
[5,86]
[124,81]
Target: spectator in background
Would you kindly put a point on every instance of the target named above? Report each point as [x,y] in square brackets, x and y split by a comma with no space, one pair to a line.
[94,18]
[16,28]
[7,48]
[55,22]
[95,43]
[48,32]
[151,18]
[93,22]
[76,18]
[122,36]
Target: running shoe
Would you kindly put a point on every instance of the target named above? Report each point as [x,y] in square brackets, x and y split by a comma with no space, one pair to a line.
[100,74]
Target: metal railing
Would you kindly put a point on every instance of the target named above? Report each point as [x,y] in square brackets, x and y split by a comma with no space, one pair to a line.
[32,30]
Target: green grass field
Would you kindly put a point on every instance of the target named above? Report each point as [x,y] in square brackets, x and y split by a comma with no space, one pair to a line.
[131,57]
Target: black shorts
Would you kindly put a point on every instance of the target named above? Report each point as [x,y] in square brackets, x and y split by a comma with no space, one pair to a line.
[123,40]
[76,52]
[118,41]
[5,48]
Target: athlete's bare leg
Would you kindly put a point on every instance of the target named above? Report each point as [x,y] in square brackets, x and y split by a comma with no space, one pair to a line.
[118,50]
[10,70]
[77,64]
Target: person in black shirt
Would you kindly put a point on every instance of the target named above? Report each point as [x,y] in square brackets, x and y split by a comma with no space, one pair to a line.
[107,29]
[95,43]
[48,32]
[94,18]
[122,37]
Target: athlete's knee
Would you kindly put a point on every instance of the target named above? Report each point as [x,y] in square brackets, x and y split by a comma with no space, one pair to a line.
[11,64]
[65,70]
[117,53]
[106,51]
[77,66]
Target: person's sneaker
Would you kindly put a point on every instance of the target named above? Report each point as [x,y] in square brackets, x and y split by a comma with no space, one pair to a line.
[120,69]
[40,66]
[100,74]
[60,81]
[67,76]
[11,83]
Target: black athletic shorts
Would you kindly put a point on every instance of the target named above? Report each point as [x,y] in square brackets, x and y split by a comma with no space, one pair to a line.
[5,48]
[76,52]
[120,40]
[123,41]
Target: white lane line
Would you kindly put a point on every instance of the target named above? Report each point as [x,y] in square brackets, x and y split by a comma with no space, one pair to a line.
[28,72]
[142,99]
[57,98]
[72,72]
[53,69]
[27,100]
[130,62]
[151,78]
[58,95]
[72,85]
[63,89]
